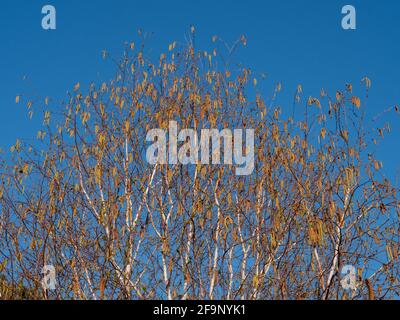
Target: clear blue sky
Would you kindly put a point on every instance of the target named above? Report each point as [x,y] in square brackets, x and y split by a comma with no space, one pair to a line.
[292,41]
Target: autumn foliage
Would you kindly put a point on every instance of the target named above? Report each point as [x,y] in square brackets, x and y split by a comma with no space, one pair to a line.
[84,199]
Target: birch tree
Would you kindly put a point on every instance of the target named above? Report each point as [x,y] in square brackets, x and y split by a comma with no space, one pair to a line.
[82,196]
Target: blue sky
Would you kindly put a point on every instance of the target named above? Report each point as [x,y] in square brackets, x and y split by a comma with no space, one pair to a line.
[292,41]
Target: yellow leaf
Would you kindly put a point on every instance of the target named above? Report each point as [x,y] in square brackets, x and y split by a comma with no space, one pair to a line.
[127,126]
[98,174]
[323,133]
[345,135]
[25,169]
[356,101]
[367,82]
[255,281]
[299,89]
